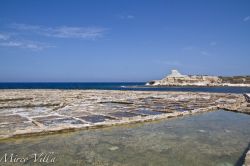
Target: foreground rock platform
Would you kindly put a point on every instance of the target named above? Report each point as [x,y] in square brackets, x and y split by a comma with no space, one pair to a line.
[32,112]
[247,159]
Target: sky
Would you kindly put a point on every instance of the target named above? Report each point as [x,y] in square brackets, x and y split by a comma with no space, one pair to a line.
[122,40]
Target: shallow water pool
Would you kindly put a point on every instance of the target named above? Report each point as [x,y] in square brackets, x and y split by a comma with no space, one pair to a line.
[213,138]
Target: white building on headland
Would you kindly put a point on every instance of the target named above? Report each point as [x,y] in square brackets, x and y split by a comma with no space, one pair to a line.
[175,73]
[177,79]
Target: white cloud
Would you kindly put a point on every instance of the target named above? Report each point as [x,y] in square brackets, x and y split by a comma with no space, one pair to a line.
[4,36]
[75,32]
[18,39]
[11,44]
[25,45]
[247,18]
[63,31]
[7,40]
[126,17]
[24,26]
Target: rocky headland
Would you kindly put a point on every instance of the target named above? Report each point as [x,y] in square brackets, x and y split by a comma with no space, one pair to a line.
[177,79]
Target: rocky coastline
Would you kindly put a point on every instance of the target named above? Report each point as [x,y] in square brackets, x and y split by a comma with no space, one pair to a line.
[25,113]
[31,112]
[177,79]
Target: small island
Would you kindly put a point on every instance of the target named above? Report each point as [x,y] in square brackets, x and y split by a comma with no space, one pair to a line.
[178,79]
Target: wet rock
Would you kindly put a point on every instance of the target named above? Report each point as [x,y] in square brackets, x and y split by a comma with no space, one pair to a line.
[113,148]
[96,118]
[202,131]
[227,131]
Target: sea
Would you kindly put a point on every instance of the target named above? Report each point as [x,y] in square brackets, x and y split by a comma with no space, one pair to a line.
[128,86]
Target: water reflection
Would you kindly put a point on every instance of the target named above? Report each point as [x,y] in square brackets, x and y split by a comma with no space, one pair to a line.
[214,138]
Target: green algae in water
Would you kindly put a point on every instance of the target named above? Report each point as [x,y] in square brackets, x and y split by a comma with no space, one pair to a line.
[214,138]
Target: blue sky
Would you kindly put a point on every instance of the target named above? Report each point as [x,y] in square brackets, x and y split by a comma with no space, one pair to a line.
[122,40]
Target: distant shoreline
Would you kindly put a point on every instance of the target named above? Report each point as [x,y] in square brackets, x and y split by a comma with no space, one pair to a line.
[177,79]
